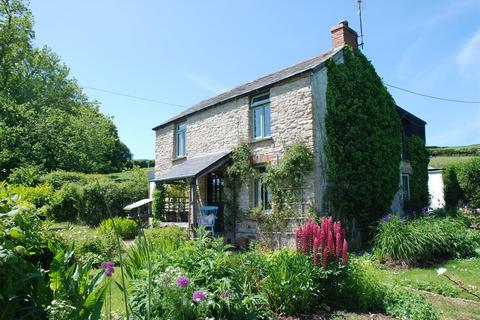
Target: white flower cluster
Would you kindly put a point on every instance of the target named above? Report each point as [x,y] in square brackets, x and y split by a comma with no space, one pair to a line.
[60,309]
[169,276]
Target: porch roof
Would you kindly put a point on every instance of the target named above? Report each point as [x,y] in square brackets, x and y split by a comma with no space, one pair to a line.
[137,204]
[194,167]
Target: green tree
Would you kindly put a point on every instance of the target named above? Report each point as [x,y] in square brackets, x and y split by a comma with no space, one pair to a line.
[363,141]
[46,119]
[419,158]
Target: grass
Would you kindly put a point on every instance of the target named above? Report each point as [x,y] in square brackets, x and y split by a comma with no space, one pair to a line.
[441,162]
[449,300]
[426,279]
[73,231]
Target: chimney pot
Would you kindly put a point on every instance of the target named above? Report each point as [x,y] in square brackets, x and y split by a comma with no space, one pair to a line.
[342,34]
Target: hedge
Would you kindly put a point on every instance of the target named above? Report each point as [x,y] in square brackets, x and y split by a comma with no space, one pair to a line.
[462,184]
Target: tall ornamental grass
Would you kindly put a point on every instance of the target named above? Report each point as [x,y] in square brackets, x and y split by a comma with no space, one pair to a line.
[425,240]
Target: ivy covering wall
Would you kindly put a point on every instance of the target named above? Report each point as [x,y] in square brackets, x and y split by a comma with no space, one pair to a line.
[419,158]
[363,141]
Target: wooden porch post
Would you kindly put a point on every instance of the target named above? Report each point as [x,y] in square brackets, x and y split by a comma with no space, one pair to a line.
[192,217]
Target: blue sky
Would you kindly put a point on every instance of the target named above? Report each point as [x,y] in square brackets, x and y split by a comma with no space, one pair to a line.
[185,51]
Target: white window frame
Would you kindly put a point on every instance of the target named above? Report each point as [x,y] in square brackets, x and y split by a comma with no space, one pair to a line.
[180,132]
[261,105]
[406,196]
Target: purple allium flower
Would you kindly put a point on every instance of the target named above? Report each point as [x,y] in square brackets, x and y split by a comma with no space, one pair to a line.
[199,296]
[387,218]
[425,210]
[109,268]
[182,281]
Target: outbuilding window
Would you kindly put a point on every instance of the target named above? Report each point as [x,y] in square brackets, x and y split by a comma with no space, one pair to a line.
[181,139]
[260,106]
[406,186]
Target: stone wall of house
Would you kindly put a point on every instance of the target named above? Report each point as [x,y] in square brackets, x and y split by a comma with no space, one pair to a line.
[223,126]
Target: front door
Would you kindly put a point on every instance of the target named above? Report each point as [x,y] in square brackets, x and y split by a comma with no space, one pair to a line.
[215,193]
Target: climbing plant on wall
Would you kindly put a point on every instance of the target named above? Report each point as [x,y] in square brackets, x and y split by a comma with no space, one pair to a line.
[419,158]
[363,141]
[284,178]
[240,169]
[158,203]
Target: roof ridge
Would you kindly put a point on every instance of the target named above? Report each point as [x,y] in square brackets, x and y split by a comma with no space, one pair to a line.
[256,84]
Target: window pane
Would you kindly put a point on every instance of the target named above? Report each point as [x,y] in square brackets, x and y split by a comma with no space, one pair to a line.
[180,143]
[182,126]
[257,122]
[266,120]
[258,100]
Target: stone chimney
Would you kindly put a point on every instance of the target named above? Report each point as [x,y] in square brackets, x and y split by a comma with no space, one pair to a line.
[343,34]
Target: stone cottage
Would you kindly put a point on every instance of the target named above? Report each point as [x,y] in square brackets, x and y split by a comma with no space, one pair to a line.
[269,113]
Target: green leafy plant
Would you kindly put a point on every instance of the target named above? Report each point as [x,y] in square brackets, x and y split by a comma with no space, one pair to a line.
[158,203]
[363,141]
[418,158]
[125,227]
[74,285]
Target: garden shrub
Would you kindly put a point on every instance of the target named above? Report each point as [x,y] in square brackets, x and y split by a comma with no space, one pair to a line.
[462,184]
[40,195]
[424,239]
[157,236]
[26,175]
[356,289]
[38,277]
[418,158]
[158,203]
[404,304]
[451,189]
[126,228]
[84,198]
[363,157]
[96,248]
[292,283]
[25,252]
[468,177]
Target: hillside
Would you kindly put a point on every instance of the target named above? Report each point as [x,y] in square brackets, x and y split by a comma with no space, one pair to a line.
[443,156]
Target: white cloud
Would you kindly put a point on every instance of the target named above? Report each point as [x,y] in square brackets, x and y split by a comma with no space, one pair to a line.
[468,58]
[206,82]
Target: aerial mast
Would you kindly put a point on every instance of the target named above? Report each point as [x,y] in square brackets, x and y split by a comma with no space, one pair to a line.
[359,3]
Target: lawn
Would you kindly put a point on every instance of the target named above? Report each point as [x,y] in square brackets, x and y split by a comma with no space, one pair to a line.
[441,162]
[452,302]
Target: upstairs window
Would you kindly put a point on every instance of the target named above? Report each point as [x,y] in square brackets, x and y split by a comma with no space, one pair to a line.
[181,139]
[260,106]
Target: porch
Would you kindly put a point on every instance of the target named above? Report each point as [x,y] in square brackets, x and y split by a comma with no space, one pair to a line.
[192,185]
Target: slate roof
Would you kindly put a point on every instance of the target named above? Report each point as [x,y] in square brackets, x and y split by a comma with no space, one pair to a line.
[193,167]
[258,84]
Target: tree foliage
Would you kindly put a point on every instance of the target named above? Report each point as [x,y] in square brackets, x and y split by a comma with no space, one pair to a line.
[45,117]
[461,183]
[363,140]
[419,158]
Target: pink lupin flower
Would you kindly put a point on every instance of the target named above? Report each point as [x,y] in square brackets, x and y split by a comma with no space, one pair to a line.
[316,243]
[344,252]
